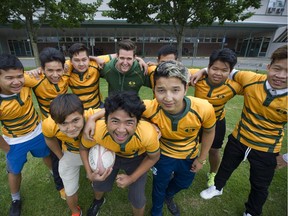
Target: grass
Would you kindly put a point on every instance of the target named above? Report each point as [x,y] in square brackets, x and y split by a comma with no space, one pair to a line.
[40,197]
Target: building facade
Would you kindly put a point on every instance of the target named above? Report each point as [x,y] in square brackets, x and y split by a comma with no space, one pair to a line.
[257,36]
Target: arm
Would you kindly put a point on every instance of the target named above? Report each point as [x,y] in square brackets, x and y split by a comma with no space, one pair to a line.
[89,129]
[4,145]
[53,144]
[35,73]
[142,64]
[196,76]
[206,143]
[124,180]
[92,176]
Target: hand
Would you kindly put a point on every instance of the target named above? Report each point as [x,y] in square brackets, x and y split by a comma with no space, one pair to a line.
[152,63]
[6,148]
[194,78]
[143,65]
[196,166]
[123,180]
[280,162]
[66,68]
[95,176]
[89,129]
[35,73]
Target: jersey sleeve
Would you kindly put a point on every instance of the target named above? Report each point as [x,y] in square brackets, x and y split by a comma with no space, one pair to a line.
[49,127]
[209,118]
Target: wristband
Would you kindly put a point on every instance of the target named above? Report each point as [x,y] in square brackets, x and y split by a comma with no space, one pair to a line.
[201,162]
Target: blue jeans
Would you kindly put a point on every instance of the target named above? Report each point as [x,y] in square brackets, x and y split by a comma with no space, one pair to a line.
[170,175]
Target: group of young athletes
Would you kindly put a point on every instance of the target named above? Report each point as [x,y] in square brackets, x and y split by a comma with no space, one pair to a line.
[172,134]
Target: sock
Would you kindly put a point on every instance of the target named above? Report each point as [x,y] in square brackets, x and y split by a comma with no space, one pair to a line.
[15,196]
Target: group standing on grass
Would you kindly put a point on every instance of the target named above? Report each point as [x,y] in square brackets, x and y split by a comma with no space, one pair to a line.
[186,129]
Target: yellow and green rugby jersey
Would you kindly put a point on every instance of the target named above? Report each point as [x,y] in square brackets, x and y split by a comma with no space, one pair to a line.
[50,130]
[45,91]
[218,95]
[17,114]
[145,139]
[263,117]
[180,133]
[86,85]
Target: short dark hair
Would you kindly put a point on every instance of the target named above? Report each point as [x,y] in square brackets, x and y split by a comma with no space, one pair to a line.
[64,105]
[167,50]
[225,55]
[279,54]
[8,61]
[172,69]
[127,45]
[129,101]
[76,48]
[50,54]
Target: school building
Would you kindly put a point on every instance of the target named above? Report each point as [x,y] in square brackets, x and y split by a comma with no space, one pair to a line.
[257,36]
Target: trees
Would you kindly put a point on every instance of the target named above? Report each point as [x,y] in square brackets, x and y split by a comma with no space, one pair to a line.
[32,14]
[181,14]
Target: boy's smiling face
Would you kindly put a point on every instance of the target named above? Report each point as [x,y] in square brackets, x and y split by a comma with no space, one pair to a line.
[277,74]
[169,92]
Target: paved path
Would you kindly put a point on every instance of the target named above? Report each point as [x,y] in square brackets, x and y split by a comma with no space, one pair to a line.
[243,63]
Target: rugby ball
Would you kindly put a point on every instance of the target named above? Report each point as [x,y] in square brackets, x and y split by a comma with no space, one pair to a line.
[100,158]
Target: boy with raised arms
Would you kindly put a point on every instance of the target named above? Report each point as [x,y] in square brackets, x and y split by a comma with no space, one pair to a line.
[259,134]
[21,126]
[135,143]
[218,90]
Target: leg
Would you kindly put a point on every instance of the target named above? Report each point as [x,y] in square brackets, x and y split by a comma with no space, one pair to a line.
[163,170]
[214,159]
[182,178]
[138,212]
[14,181]
[55,165]
[214,153]
[69,170]
[48,162]
[232,157]
[262,169]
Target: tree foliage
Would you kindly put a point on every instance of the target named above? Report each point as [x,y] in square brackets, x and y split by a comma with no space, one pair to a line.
[32,14]
[181,14]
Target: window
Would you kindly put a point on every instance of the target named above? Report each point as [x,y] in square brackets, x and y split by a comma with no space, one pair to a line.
[275,7]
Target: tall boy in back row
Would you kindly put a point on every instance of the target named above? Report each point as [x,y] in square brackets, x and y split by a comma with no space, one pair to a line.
[259,134]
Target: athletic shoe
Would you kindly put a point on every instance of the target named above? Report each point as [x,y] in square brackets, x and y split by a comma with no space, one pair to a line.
[172,206]
[246,214]
[95,207]
[211,192]
[79,213]
[62,194]
[210,178]
[15,209]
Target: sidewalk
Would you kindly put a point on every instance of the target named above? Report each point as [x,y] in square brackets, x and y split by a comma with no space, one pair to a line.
[243,63]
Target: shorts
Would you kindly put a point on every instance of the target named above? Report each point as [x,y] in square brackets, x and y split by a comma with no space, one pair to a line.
[17,155]
[69,171]
[220,130]
[136,193]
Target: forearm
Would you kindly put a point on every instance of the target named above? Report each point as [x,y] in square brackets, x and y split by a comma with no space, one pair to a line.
[145,165]
[84,152]
[206,143]
[53,144]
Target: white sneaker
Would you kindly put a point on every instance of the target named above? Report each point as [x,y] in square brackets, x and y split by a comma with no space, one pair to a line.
[246,214]
[211,192]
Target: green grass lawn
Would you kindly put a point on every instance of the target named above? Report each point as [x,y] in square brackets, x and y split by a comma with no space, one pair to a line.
[40,197]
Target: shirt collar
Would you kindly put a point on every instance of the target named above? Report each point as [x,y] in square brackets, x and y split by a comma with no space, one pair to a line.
[276,91]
